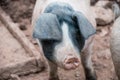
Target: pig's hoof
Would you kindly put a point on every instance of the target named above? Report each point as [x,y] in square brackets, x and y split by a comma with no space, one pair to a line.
[54,78]
[71,62]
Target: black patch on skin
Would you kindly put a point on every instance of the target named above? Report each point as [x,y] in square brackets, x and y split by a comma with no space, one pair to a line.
[48,48]
[77,39]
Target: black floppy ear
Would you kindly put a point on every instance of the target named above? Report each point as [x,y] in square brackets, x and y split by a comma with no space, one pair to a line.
[47,27]
[85,27]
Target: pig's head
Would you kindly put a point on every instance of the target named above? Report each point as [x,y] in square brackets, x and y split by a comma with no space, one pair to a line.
[62,33]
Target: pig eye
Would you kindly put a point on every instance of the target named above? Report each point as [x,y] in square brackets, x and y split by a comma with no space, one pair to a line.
[50,42]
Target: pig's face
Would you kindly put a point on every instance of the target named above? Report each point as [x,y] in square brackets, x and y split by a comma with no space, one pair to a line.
[69,47]
[62,33]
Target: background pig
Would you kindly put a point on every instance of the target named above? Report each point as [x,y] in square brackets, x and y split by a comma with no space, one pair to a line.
[64,30]
[116,8]
[115,40]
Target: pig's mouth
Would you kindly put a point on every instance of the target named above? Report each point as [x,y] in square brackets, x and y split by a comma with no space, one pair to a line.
[71,62]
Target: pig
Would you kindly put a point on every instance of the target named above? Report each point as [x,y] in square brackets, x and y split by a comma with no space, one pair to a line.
[65,31]
[115,40]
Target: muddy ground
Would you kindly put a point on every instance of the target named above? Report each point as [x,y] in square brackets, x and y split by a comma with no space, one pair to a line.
[21,12]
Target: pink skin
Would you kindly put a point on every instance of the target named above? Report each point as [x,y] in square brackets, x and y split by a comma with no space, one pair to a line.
[71,62]
[68,61]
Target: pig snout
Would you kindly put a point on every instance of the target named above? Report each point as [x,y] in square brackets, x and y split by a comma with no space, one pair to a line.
[71,62]
[67,61]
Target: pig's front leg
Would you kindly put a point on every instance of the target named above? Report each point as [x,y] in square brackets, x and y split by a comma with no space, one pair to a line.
[86,60]
[53,72]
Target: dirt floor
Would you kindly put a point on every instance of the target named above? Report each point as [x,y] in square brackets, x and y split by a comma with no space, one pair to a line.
[21,12]
[10,49]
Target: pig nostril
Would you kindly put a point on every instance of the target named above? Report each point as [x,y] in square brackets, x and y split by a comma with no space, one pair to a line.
[74,61]
[71,63]
[68,62]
